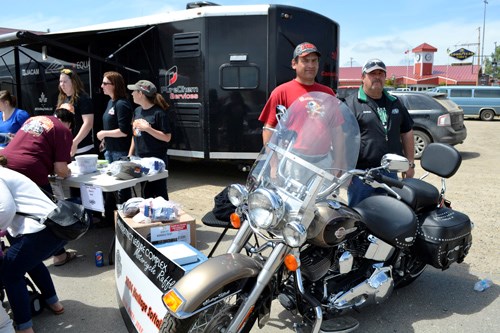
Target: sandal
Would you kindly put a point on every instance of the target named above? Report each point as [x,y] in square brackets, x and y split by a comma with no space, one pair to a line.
[58,312]
[69,256]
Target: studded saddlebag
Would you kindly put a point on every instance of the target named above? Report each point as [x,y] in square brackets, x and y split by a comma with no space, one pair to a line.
[443,237]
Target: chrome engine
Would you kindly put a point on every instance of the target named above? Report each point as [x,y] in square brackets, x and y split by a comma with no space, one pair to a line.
[373,290]
[376,288]
[330,264]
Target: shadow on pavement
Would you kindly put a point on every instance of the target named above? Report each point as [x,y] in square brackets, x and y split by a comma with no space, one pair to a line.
[80,317]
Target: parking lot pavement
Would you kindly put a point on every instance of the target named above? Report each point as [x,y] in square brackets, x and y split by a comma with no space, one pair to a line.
[436,302]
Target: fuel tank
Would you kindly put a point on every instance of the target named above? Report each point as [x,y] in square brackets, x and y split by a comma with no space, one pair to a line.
[333,223]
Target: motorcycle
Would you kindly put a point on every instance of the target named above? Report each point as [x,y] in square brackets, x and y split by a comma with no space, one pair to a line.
[299,243]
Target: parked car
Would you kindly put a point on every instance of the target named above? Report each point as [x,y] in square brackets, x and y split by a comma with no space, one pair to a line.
[482,101]
[436,118]
[344,91]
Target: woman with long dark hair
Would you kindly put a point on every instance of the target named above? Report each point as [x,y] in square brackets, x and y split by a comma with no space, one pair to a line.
[116,133]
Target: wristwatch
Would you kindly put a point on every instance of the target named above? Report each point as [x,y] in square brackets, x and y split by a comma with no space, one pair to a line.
[412,165]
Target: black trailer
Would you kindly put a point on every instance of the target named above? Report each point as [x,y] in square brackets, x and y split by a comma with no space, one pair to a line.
[216,65]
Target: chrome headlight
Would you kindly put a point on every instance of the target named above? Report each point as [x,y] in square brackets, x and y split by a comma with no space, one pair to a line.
[237,194]
[265,208]
[294,234]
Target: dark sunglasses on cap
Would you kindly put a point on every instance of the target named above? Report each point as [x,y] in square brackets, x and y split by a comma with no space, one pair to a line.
[66,71]
[372,65]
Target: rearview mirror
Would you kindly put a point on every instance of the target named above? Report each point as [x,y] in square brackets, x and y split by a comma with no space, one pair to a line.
[394,162]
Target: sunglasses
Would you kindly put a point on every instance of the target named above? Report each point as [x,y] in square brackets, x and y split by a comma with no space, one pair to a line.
[106,83]
[66,71]
[372,64]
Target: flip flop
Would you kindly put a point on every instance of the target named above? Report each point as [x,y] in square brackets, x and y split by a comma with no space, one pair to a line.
[69,256]
[58,312]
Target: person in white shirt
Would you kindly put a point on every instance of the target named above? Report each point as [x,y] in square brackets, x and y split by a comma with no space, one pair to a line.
[30,244]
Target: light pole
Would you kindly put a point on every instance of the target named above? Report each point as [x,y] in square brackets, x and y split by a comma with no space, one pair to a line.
[484,23]
[494,68]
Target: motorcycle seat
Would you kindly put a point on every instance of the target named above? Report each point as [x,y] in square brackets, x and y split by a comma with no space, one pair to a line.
[419,195]
[389,219]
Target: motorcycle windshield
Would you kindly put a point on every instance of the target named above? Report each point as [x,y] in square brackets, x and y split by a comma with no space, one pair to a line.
[315,141]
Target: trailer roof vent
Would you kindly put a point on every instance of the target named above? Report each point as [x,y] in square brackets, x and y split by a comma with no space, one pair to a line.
[198,4]
[187,44]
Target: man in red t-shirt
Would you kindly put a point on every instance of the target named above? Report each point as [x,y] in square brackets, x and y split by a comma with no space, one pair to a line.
[42,147]
[305,62]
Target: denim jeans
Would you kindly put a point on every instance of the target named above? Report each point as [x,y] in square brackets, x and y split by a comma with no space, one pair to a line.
[123,195]
[112,156]
[5,321]
[358,191]
[26,255]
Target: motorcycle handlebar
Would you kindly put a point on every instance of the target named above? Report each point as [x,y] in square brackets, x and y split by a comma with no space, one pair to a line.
[387,180]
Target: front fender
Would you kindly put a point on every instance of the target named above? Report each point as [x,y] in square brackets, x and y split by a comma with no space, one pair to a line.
[201,284]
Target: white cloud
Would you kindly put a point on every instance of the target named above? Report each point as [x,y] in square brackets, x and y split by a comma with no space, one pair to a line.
[443,36]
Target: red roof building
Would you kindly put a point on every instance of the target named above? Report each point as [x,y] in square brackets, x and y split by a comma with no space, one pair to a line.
[423,74]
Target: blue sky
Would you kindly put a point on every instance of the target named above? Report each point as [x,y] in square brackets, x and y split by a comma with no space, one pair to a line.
[383,29]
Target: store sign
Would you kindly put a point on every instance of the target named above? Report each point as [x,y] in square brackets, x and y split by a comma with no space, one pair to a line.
[462,54]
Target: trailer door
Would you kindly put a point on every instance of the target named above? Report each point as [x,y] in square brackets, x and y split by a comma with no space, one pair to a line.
[290,26]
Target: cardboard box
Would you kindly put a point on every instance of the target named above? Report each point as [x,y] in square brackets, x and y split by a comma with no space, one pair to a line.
[183,228]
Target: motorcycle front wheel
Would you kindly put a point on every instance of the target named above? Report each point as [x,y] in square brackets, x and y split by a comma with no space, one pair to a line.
[212,320]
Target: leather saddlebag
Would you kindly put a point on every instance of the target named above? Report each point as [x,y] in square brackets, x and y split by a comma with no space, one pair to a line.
[443,237]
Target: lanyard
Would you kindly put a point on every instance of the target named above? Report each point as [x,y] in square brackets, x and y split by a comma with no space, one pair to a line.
[382,115]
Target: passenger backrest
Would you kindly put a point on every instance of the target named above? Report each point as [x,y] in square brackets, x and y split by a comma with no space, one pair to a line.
[441,159]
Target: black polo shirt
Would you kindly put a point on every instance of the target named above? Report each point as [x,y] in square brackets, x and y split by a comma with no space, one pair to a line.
[377,139]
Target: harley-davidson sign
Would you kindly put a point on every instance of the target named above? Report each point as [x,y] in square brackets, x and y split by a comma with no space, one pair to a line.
[462,54]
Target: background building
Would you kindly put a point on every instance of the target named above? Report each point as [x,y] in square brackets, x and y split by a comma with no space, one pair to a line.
[422,74]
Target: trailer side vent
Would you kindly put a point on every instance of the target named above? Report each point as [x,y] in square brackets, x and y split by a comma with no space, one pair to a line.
[189,115]
[187,45]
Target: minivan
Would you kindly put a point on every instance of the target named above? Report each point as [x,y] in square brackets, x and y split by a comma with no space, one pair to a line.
[482,101]
[436,118]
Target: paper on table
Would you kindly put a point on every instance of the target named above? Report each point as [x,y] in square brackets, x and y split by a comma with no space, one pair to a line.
[92,197]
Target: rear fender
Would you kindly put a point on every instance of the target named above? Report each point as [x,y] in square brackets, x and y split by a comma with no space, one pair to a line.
[198,289]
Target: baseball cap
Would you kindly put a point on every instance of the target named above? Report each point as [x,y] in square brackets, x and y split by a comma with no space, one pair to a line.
[304,49]
[373,64]
[147,87]
[129,170]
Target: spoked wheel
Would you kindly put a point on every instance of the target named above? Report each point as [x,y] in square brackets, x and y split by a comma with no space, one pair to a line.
[221,320]
[212,320]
